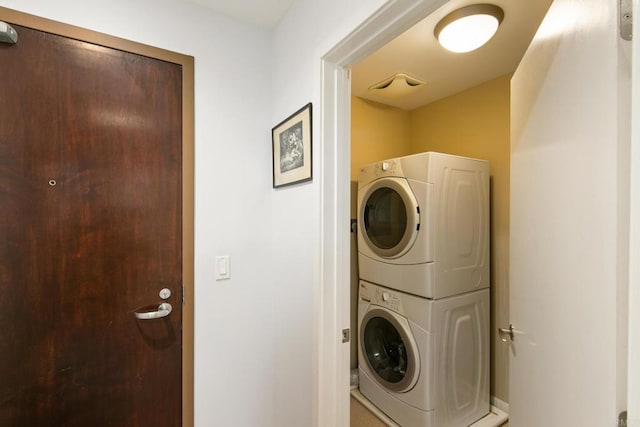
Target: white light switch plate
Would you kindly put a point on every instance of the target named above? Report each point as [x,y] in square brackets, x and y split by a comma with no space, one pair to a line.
[223,267]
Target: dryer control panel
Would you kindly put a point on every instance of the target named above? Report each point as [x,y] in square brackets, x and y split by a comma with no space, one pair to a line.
[391,167]
[381,296]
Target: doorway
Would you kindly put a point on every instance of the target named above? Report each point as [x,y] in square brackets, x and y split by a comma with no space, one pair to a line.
[472,122]
[71,249]
[336,107]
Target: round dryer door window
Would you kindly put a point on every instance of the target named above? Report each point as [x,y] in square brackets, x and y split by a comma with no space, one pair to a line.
[389,351]
[390,217]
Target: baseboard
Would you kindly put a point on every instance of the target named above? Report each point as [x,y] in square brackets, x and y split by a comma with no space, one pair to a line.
[495,418]
[500,404]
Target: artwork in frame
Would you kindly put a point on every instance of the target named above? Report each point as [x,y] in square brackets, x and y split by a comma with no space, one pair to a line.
[291,141]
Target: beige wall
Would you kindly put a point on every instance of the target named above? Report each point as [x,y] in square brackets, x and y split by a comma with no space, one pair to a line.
[378,132]
[473,123]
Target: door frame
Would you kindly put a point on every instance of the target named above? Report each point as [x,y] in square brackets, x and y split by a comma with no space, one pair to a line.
[331,313]
[633,333]
[188,143]
[332,308]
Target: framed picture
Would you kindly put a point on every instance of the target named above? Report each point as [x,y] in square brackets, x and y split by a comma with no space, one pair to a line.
[291,140]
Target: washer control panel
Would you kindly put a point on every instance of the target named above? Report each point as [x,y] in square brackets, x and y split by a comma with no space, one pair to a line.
[381,296]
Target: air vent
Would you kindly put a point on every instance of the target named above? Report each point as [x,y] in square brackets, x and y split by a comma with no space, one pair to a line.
[396,86]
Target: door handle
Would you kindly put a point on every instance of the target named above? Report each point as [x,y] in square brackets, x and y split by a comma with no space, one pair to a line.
[163,310]
[510,332]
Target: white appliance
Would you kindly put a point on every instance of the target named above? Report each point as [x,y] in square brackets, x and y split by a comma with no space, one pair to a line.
[424,363]
[423,224]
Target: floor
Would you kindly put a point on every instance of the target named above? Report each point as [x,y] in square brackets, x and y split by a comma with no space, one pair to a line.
[361,417]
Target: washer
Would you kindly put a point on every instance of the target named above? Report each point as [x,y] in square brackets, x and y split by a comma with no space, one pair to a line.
[423,224]
[423,362]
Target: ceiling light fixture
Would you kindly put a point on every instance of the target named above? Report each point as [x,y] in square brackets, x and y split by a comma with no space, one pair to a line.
[468,28]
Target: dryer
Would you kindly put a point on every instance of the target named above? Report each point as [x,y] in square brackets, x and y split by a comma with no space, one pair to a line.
[423,224]
[424,363]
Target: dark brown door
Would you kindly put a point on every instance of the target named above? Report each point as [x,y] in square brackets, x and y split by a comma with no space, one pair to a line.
[90,233]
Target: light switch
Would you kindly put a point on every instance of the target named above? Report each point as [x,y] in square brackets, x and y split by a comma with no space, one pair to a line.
[223,267]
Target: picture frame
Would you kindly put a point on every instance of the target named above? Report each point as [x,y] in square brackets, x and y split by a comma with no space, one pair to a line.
[291,143]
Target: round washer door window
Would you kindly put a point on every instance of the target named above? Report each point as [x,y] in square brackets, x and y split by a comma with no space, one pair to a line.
[389,217]
[389,351]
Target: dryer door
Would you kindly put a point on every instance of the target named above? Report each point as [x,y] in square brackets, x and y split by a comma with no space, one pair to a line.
[389,349]
[389,217]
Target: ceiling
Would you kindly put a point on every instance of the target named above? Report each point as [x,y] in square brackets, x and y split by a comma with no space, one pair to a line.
[261,13]
[417,53]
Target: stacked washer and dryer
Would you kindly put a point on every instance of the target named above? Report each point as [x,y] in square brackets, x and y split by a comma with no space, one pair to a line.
[423,302]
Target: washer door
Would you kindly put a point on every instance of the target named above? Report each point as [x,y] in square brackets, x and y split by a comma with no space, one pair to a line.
[389,217]
[389,349]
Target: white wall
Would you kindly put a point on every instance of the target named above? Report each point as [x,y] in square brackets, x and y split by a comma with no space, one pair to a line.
[306,33]
[238,361]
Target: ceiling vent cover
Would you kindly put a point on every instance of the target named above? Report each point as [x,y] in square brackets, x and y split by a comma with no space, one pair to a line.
[396,86]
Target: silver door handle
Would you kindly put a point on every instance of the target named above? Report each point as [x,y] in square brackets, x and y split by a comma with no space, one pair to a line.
[510,332]
[163,311]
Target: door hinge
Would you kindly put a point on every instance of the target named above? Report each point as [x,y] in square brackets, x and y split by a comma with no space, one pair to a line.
[622,419]
[346,335]
[626,19]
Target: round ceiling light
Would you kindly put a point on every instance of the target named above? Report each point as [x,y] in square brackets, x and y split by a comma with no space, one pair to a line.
[468,28]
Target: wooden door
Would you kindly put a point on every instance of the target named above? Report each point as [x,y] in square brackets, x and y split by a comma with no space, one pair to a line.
[90,232]
[565,183]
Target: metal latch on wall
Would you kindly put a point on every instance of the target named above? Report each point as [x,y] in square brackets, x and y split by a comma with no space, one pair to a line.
[7,33]
[626,19]
[346,335]
[508,334]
